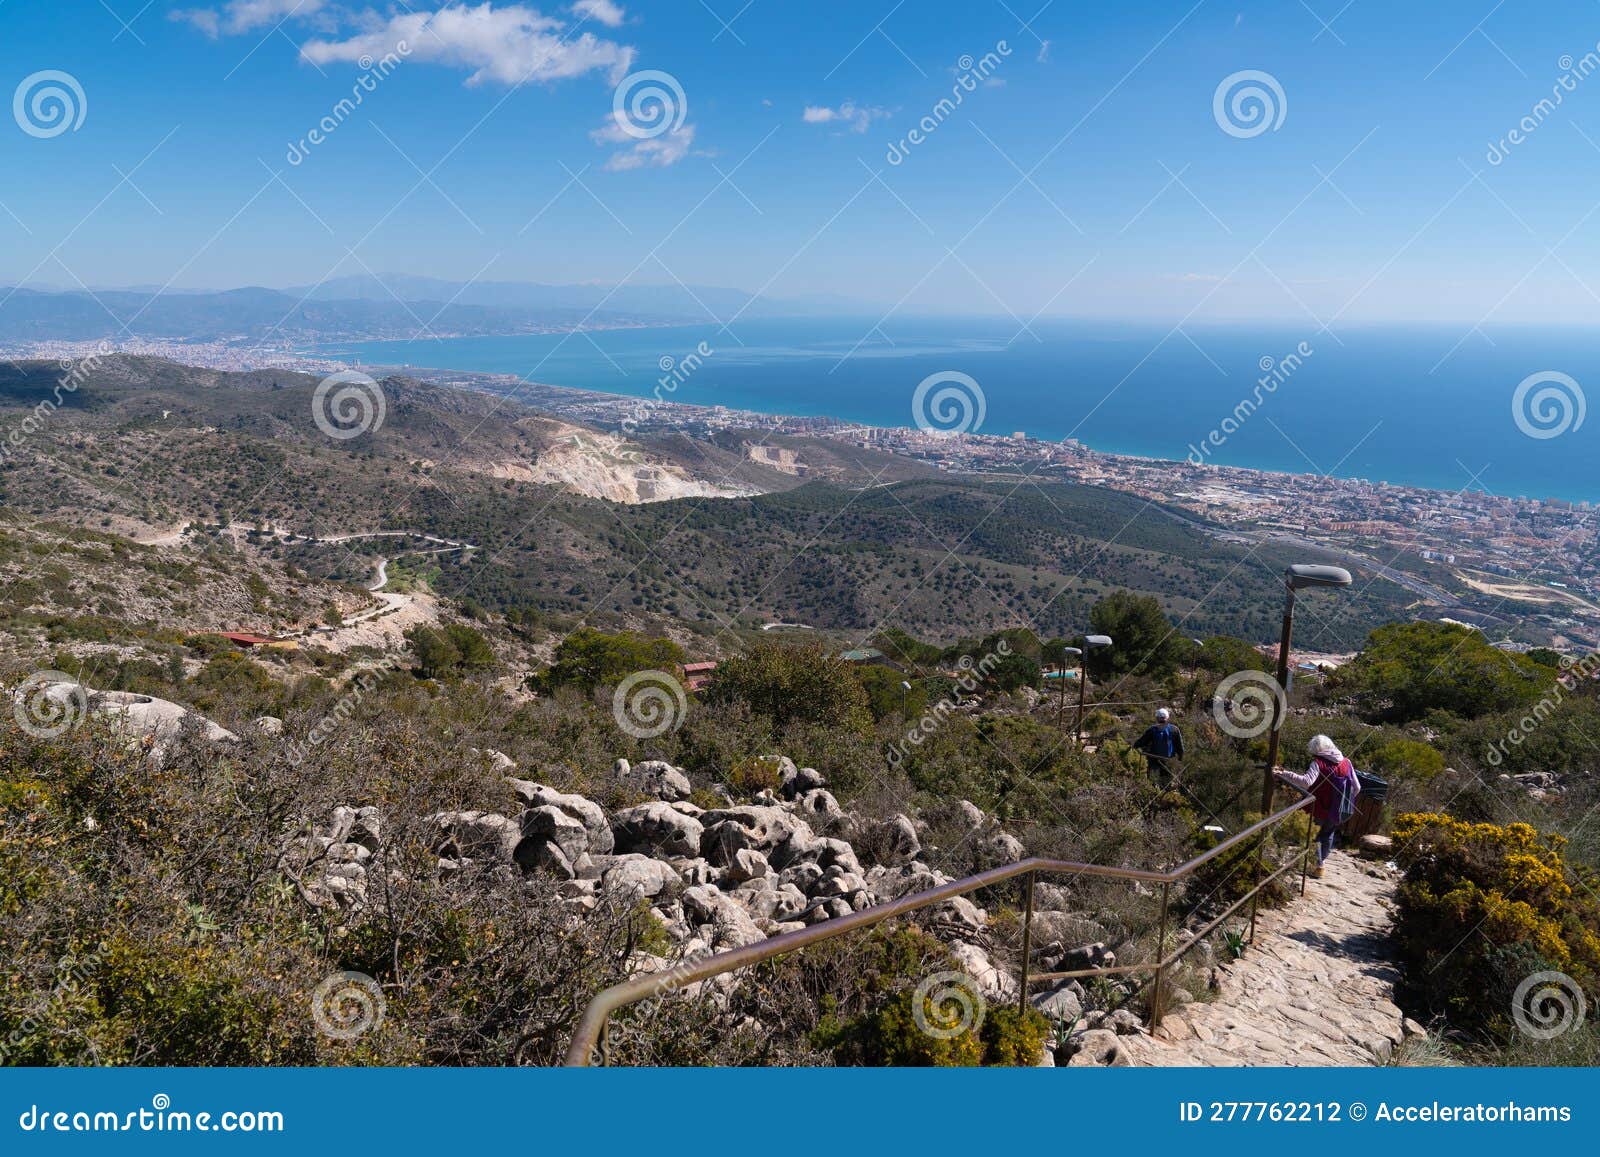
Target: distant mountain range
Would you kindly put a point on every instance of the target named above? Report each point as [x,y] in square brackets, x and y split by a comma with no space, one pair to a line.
[697,302]
[381,306]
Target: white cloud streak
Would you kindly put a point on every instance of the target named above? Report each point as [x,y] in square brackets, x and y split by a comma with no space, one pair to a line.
[509,45]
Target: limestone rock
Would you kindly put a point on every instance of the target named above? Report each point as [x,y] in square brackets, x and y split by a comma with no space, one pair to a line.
[751,826]
[656,829]
[555,826]
[656,777]
[639,877]
[1059,1004]
[475,835]
[796,782]
[725,922]
[996,984]
[1097,1046]
[894,841]
[746,864]
[1376,847]
[588,813]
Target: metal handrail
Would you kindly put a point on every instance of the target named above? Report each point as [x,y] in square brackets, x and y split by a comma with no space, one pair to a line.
[586,1038]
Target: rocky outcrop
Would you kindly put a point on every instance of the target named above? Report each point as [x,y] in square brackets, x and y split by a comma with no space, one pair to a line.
[659,830]
[150,724]
[654,777]
[715,879]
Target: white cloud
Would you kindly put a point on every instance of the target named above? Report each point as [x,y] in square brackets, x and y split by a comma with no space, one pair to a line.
[856,117]
[601,11]
[512,44]
[1044,52]
[647,153]
[238,16]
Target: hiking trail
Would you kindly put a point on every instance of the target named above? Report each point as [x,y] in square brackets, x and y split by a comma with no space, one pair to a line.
[1316,987]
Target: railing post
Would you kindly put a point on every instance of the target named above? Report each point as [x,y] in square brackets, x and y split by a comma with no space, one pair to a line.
[1305,857]
[1261,868]
[1161,957]
[1027,942]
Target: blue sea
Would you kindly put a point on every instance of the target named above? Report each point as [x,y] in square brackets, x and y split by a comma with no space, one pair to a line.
[1417,405]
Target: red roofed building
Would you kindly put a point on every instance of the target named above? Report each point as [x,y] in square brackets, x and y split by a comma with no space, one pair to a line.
[697,675]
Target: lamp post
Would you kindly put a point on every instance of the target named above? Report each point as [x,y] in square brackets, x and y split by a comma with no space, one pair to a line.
[1061,699]
[1090,643]
[1297,577]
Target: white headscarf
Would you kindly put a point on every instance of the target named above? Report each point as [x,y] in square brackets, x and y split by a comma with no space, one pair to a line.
[1324,748]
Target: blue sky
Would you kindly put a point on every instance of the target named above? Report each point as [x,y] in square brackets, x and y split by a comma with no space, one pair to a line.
[1087,174]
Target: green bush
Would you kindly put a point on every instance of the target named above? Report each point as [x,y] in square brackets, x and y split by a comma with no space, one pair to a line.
[1482,907]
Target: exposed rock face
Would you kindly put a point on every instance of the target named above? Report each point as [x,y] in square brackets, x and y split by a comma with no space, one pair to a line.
[639,877]
[894,841]
[720,920]
[657,829]
[1097,1046]
[586,812]
[655,777]
[762,829]
[151,723]
[795,782]
[475,835]
[716,879]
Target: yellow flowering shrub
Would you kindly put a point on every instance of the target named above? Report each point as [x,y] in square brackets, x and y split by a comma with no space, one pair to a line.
[1482,907]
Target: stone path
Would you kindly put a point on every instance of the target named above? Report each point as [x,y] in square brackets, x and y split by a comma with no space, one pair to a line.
[1316,988]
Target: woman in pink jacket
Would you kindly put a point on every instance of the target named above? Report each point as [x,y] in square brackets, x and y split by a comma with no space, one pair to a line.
[1332,780]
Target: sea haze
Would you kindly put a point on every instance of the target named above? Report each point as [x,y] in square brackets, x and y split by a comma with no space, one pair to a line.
[1424,406]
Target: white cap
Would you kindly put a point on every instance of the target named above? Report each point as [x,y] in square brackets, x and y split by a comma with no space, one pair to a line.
[1163,714]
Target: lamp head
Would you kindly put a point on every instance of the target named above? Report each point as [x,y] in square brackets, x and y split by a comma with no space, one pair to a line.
[1303,575]
[1093,641]
[1072,650]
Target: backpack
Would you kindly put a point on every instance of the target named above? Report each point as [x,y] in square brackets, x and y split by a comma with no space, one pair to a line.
[1161,741]
[1340,797]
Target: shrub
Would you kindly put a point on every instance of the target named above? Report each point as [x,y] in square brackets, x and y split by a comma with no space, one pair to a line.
[1410,669]
[789,685]
[590,658]
[756,774]
[1482,907]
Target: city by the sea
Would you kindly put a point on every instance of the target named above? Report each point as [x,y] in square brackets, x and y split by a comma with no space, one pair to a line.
[1450,407]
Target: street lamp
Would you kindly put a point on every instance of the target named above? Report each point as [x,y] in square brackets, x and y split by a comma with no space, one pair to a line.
[1090,643]
[1061,699]
[1298,577]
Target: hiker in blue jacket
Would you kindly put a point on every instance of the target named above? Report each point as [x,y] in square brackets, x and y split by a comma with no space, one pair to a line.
[1332,780]
[1161,743]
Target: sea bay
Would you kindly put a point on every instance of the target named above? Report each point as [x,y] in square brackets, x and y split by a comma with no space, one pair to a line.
[1435,406]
